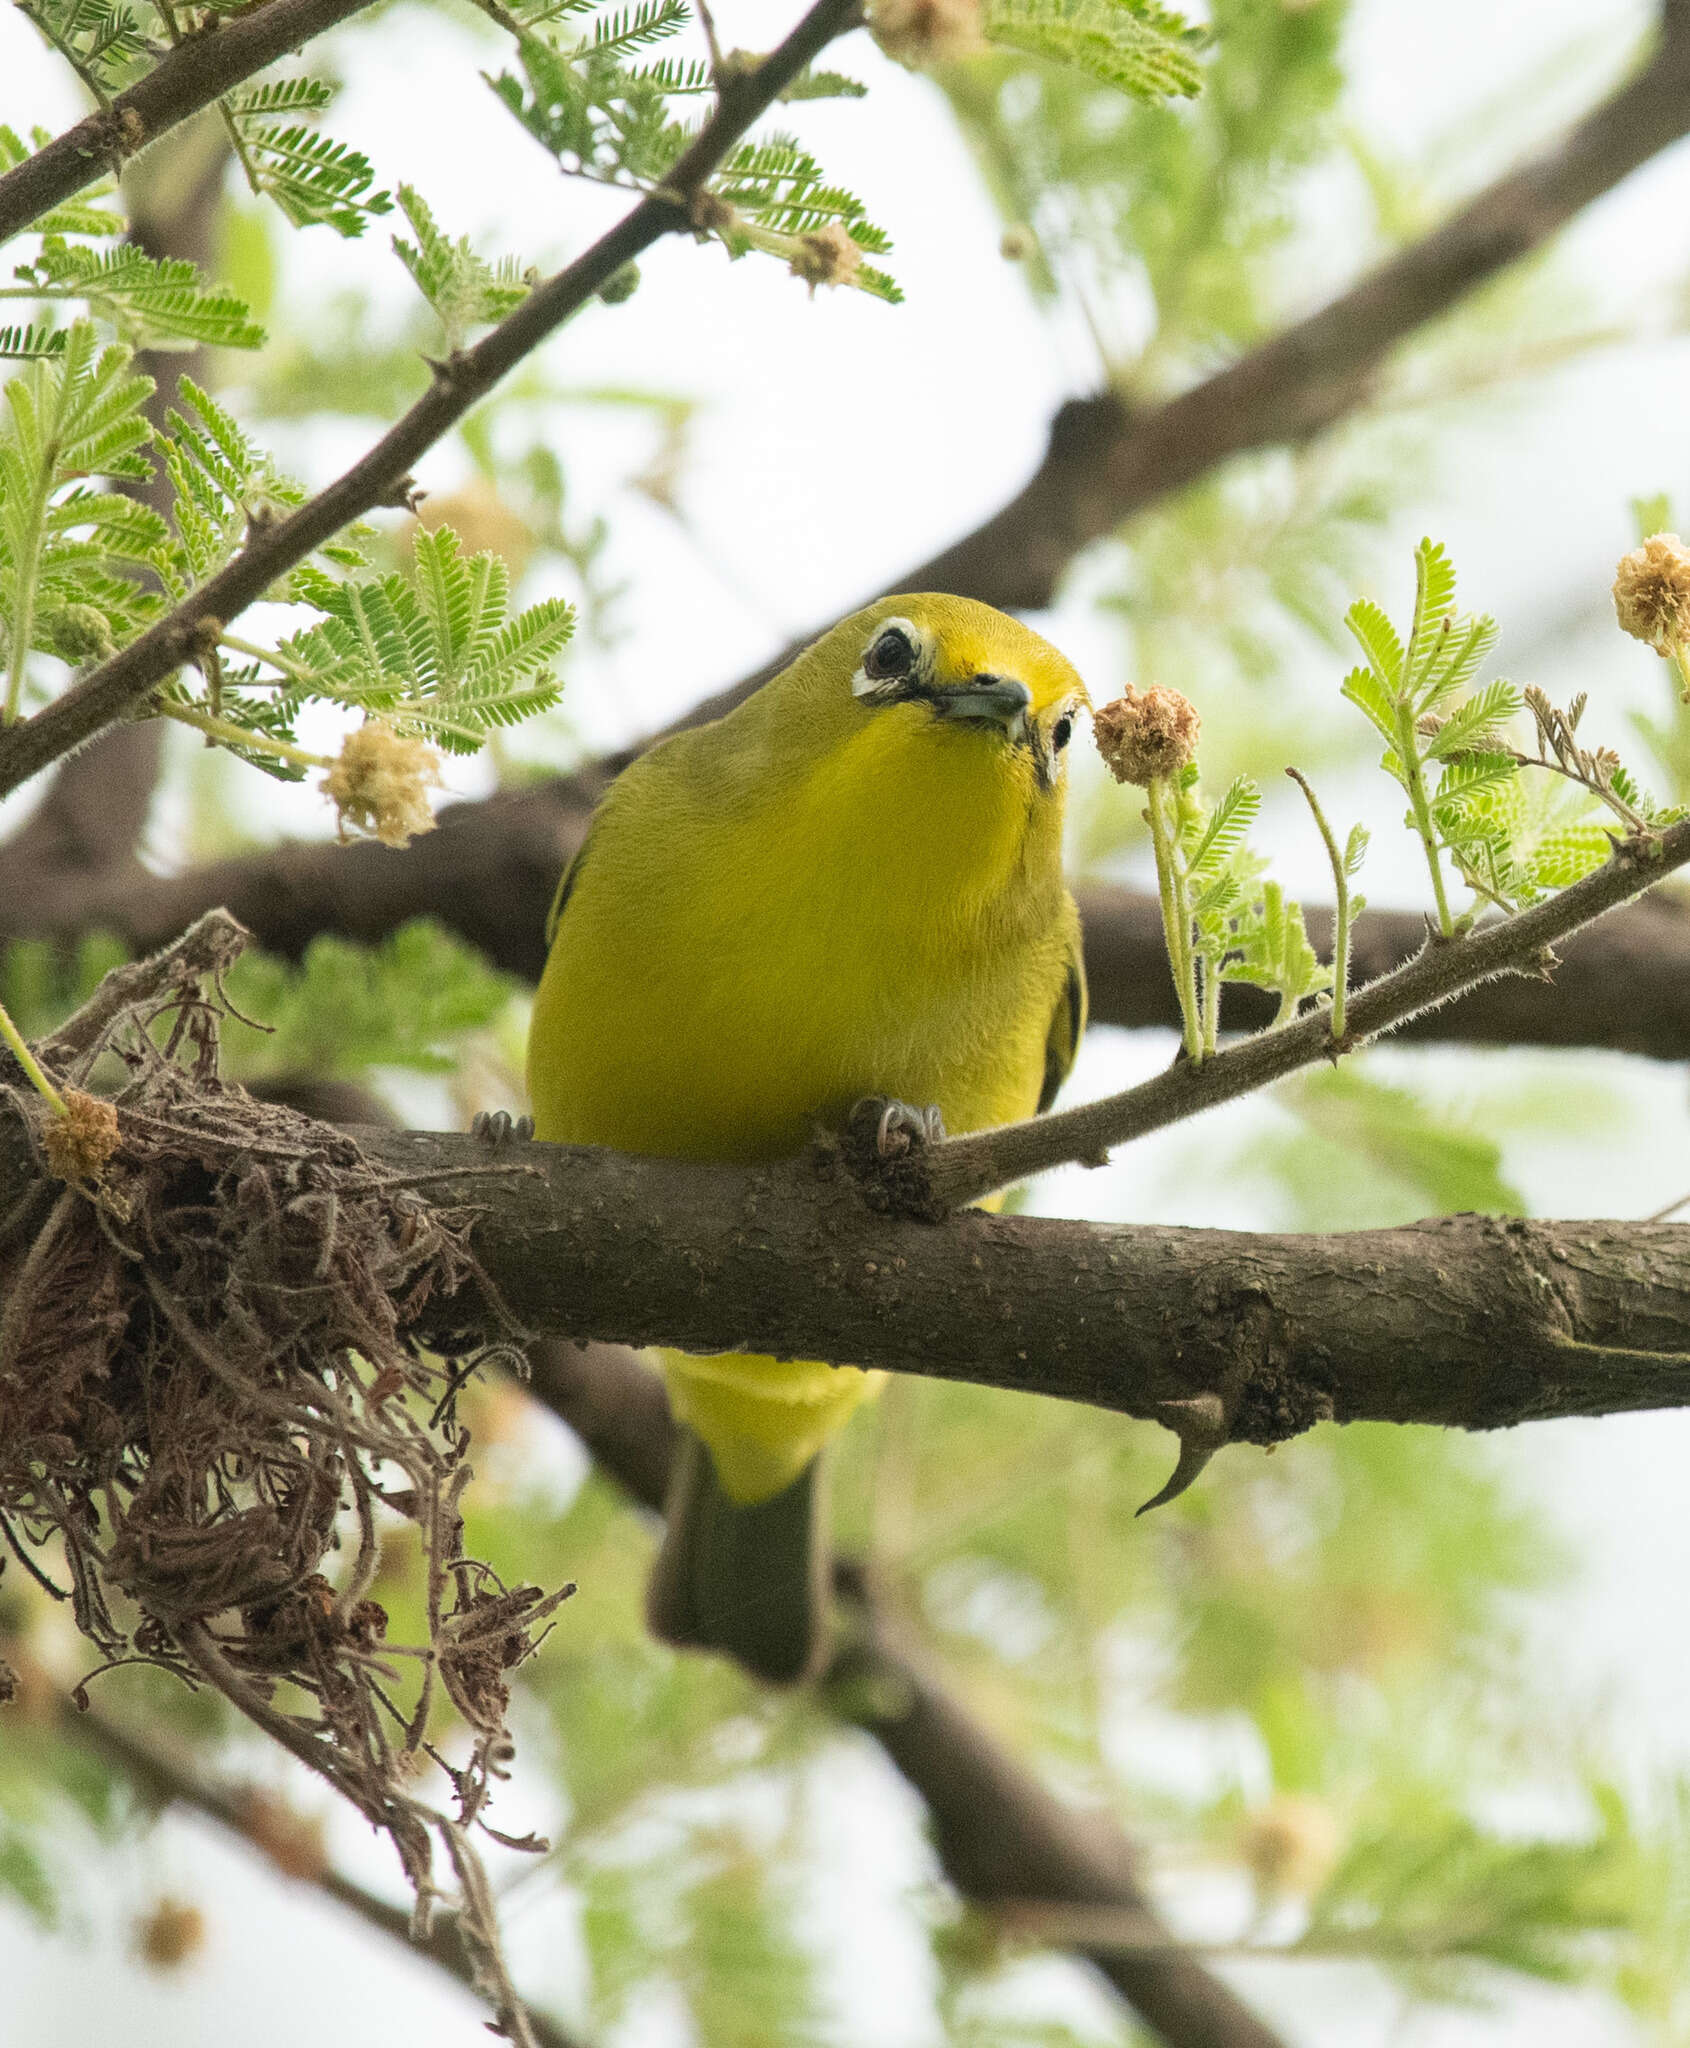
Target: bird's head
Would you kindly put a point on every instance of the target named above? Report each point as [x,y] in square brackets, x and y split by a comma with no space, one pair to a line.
[947,664]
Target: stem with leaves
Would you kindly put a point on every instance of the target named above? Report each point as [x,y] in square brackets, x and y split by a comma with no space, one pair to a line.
[1175,895]
[382,475]
[1345,910]
[961,1170]
[231,49]
[1414,777]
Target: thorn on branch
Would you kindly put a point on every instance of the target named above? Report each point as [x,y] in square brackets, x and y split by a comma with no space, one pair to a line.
[405,496]
[1203,1426]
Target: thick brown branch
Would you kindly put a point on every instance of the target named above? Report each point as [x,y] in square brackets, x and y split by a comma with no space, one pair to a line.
[382,474]
[200,70]
[1468,1322]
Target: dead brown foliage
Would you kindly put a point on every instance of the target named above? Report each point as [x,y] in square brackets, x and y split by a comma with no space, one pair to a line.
[209,1399]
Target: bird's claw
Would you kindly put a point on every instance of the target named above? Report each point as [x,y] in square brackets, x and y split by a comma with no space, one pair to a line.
[497,1128]
[902,1128]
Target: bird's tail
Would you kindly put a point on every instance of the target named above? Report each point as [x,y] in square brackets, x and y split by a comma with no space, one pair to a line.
[748,1580]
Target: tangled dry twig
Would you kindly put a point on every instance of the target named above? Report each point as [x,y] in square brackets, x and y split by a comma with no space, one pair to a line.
[207,1391]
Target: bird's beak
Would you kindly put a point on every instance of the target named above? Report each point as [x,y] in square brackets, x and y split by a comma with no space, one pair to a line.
[998,700]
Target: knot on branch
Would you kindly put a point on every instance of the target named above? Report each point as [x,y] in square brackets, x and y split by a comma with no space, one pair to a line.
[885,1147]
[116,133]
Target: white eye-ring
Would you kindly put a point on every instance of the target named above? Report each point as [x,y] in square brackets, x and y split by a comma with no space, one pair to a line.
[890,658]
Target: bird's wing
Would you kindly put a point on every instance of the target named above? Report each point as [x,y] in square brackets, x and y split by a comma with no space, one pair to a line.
[571,875]
[1068,1022]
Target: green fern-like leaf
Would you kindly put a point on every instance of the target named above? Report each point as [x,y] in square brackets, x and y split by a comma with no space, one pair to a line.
[280,96]
[1224,834]
[104,39]
[1272,949]
[824,85]
[464,290]
[1140,49]
[1365,690]
[637,28]
[29,344]
[1377,638]
[1476,723]
[152,302]
[73,413]
[313,178]
[437,653]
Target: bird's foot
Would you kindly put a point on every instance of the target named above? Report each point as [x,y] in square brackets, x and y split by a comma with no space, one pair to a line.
[901,1128]
[497,1128]
[884,1146]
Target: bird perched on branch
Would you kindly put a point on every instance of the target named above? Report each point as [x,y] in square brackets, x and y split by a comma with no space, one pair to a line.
[849,887]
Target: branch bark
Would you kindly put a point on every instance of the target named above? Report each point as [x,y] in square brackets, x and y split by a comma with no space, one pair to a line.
[382,475]
[1470,1322]
[1103,463]
[194,74]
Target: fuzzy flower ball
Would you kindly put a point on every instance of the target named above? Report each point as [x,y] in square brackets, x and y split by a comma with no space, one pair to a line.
[1291,1845]
[1146,734]
[380,784]
[829,256]
[1652,592]
[919,33]
[79,1143]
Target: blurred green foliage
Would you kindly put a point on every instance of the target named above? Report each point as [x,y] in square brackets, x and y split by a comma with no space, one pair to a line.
[1308,1685]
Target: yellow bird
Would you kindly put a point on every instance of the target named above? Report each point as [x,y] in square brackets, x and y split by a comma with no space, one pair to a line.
[850,886]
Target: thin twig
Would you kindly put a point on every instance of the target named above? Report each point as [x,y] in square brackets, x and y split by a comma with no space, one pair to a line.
[961,1170]
[185,82]
[460,382]
[1341,911]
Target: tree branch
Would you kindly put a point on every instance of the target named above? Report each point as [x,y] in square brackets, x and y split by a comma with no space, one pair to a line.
[194,74]
[966,1168]
[490,871]
[998,1833]
[1470,1322]
[165,1777]
[381,476]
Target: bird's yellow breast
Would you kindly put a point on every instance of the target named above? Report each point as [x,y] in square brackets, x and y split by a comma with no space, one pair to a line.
[772,917]
[730,969]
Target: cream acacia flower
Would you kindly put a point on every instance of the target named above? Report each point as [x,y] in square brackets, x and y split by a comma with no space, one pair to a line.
[918,33]
[380,784]
[1652,593]
[1146,734]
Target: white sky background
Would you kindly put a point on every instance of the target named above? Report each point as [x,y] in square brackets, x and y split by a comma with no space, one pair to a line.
[838,442]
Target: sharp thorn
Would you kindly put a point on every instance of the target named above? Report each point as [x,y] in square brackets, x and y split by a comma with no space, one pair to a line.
[1202,1428]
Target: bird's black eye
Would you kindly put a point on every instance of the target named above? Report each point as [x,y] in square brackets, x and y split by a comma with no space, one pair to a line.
[1061,733]
[891,654]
